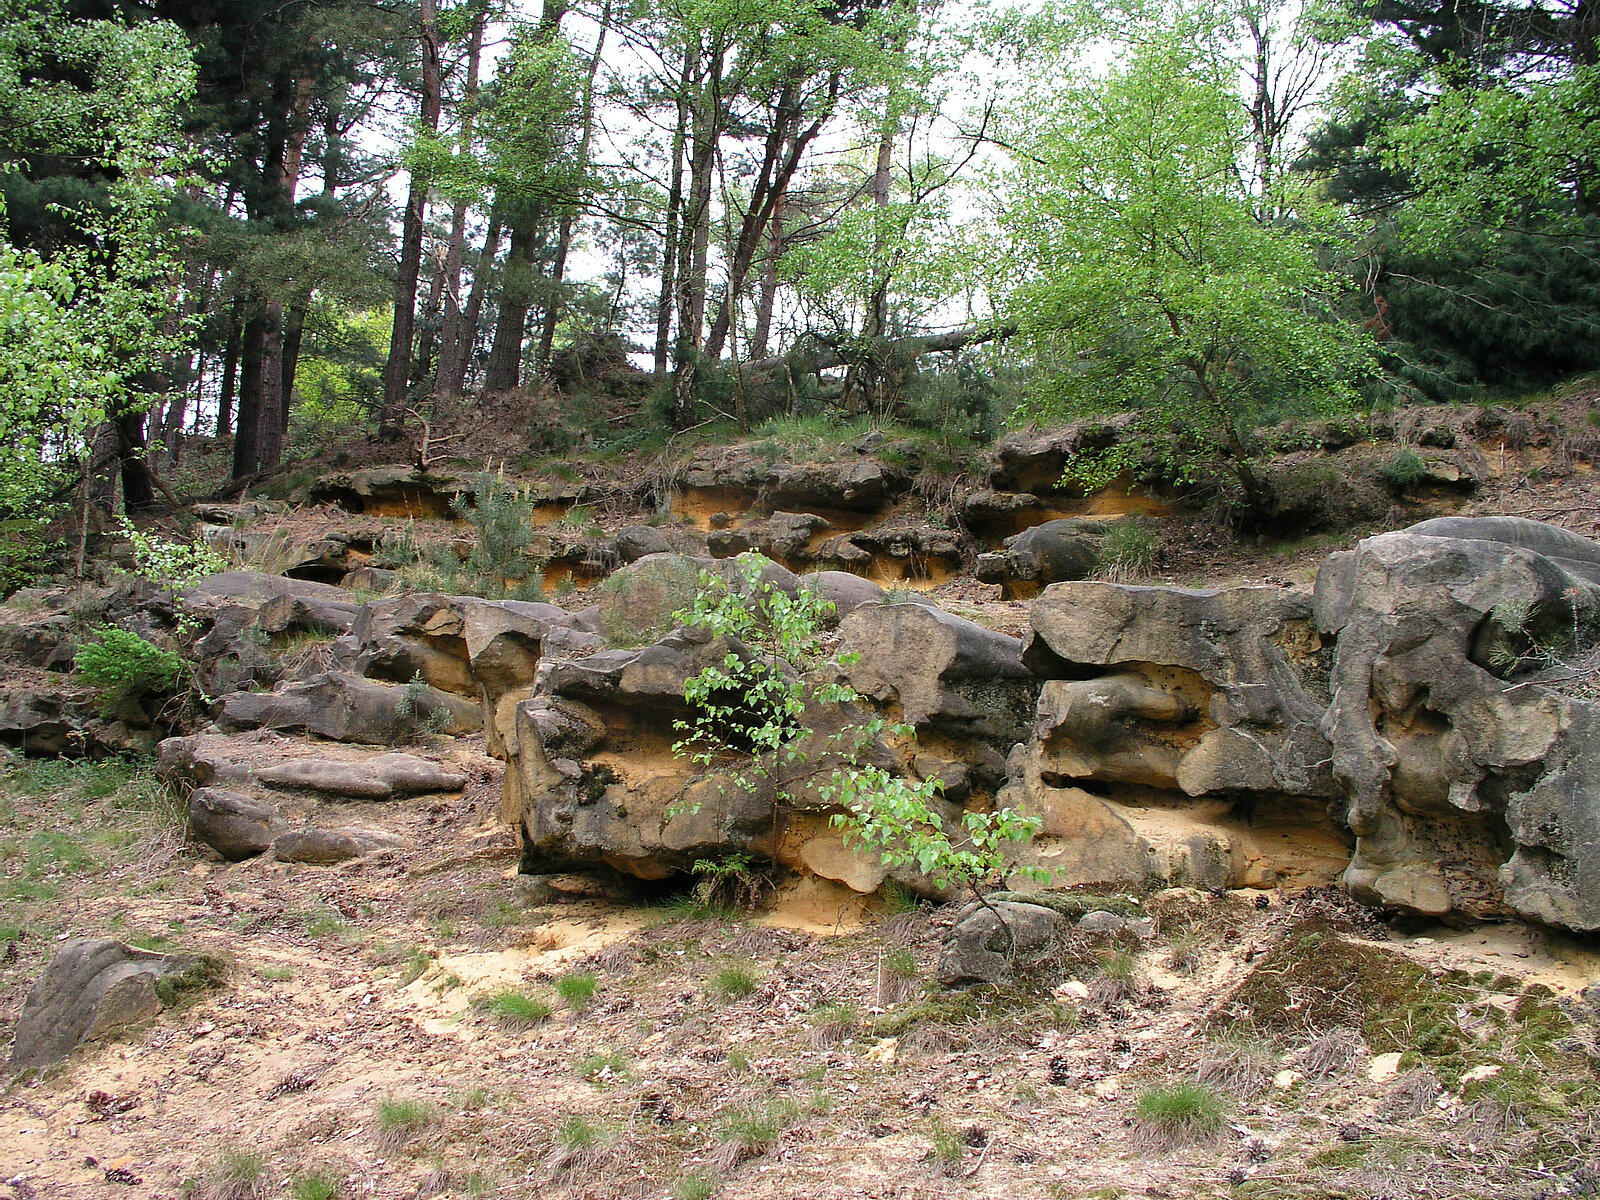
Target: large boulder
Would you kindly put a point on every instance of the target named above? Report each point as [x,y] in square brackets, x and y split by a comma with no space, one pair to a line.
[988,943]
[1468,772]
[488,650]
[943,672]
[94,987]
[1177,738]
[348,708]
[233,824]
[593,779]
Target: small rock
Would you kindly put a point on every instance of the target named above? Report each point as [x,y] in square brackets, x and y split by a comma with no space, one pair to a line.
[884,1052]
[1101,921]
[1384,1067]
[1284,1080]
[1073,989]
[1480,1073]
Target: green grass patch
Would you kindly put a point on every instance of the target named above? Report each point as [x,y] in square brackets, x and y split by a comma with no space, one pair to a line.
[515,1010]
[577,989]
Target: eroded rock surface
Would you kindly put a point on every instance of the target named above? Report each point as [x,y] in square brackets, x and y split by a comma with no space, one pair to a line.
[92,987]
[1469,774]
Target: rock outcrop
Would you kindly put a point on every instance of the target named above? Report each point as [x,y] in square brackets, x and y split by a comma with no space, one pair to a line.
[94,987]
[1468,769]
[1177,738]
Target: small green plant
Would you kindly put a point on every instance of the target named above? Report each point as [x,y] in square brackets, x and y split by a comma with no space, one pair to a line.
[750,1128]
[577,990]
[515,1010]
[172,564]
[1405,469]
[1127,551]
[603,1070]
[237,1175]
[698,1184]
[315,1185]
[500,564]
[832,1023]
[577,1134]
[1178,1114]
[728,884]
[402,1120]
[732,982]
[948,1146]
[122,666]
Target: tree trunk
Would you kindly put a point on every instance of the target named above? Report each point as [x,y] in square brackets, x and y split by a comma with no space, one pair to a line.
[516,285]
[246,453]
[294,328]
[558,265]
[429,330]
[669,248]
[767,296]
[786,145]
[452,329]
[397,371]
[230,374]
[690,276]
[137,491]
[455,357]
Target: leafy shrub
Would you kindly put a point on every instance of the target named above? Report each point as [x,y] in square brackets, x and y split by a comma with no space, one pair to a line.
[175,564]
[121,665]
[750,708]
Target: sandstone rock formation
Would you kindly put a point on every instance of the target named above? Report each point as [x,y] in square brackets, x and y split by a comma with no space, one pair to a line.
[93,987]
[1469,772]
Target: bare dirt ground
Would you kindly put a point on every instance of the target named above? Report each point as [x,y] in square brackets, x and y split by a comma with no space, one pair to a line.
[364,1043]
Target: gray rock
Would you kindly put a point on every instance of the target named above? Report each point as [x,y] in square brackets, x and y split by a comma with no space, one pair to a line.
[1102,922]
[346,708]
[988,944]
[92,987]
[846,592]
[382,777]
[1439,757]
[236,826]
[635,541]
[325,846]
[287,613]
[253,589]
[1055,551]
[370,579]
[942,670]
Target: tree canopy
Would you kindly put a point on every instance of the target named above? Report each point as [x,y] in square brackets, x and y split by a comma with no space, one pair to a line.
[1210,213]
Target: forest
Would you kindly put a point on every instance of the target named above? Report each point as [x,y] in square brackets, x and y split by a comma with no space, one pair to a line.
[311,225]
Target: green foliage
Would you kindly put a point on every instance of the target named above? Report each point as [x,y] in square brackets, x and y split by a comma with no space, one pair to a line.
[401,1120]
[516,1010]
[750,708]
[122,666]
[893,817]
[1179,1113]
[1127,551]
[315,1185]
[498,565]
[1405,469]
[172,564]
[578,989]
[734,981]
[237,1175]
[79,327]
[698,1184]
[1148,280]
